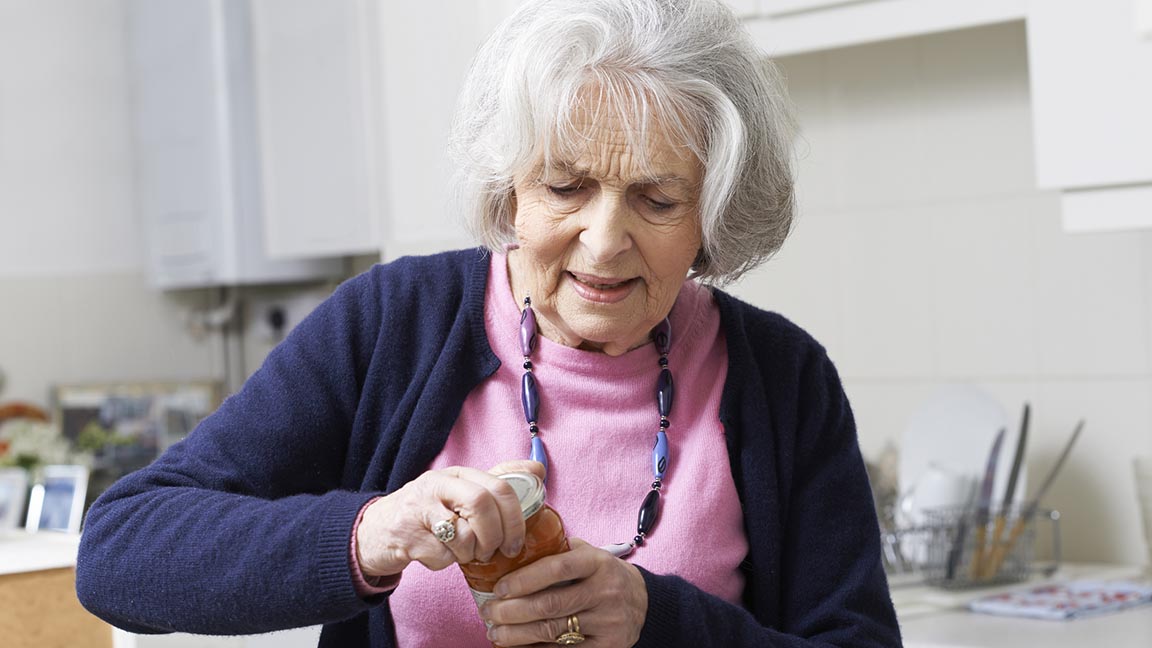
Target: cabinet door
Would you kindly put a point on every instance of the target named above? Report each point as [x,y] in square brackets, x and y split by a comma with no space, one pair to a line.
[745,7]
[1091,78]
[314,65]
[426,48]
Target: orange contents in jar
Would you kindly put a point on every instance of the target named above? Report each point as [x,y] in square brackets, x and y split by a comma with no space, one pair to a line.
[543,536]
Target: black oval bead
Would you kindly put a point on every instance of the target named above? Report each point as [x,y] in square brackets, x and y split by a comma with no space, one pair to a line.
[528,364]
[664,392]
[649,511]
[664,423]
[529,397]
[662,336]
[663,361]
[533,429]
[638,541]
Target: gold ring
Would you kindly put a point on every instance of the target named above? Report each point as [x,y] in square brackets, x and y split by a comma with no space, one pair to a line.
[445,530]
[573,636]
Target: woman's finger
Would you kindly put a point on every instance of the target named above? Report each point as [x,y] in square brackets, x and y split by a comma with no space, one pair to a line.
[572,565]
[427,549]
[554,602]
[537,632]
[519,465]
[463,545]
[497,518]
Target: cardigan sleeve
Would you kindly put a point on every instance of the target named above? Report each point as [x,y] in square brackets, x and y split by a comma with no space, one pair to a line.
[833,591]
[244,526]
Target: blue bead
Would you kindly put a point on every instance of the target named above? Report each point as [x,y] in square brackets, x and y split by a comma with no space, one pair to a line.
[664,392]
[662,336]
[660,455]
[529,397]
[527,330]
[538,453]
[649,511]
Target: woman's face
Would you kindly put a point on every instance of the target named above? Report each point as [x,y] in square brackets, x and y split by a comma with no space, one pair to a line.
[606,242]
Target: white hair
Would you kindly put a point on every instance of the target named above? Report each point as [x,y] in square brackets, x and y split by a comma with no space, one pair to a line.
[687,64]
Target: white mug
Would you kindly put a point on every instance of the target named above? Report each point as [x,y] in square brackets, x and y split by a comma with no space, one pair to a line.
[938,489]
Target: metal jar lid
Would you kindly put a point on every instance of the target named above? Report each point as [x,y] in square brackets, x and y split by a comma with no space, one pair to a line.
[529,490]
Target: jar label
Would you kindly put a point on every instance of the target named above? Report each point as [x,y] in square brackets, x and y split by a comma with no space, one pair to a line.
[481,598]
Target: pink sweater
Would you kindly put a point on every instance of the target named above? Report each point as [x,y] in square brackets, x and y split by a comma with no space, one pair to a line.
[598,420]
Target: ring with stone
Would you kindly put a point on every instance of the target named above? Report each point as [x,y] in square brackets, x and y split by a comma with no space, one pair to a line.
[445,530]
[573,636]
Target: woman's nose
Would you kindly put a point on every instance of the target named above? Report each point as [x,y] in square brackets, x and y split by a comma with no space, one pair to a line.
[605,235]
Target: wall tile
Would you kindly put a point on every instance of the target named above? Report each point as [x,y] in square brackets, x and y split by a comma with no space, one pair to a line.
[876,138]
[983,290]
[1146,289]
[953,267]
[889,294]
[976,116]
[882,408]
[803,282]
[102,328]
[1092,316]
[816,170]
[1095,491]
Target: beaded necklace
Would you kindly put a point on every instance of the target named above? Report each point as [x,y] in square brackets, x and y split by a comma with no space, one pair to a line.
[530,399]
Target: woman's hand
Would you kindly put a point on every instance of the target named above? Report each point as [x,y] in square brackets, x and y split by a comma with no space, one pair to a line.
[397,528]
[608,596]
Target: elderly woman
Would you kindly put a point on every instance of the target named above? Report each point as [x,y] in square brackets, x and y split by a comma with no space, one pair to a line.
[616,157]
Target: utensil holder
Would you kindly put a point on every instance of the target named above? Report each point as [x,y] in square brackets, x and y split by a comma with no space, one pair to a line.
[943,551]
[966,548]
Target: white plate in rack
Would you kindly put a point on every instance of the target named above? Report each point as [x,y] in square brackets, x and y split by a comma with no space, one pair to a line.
[953,431]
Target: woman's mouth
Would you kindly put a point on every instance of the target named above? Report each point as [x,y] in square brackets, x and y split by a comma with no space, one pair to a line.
[603,290]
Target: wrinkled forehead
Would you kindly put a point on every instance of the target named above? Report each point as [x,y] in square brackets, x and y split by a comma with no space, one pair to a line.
[620,132]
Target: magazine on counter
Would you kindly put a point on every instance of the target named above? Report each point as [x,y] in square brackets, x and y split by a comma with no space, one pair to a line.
[1071,600]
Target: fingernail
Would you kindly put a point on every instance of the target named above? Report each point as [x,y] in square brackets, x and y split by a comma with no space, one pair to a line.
[514,550]
[501,590]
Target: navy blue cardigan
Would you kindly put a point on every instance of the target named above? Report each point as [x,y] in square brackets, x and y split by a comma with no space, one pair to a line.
[244,526]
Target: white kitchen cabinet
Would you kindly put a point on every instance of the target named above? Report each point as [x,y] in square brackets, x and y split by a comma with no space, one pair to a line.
[788,27]
[199,157]
[425,49]
[314,67]
[778,7]
[1091,82]
[1090,68]
[744,8]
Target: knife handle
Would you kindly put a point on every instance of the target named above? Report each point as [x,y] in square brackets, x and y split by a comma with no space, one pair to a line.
[978,553]
[1000,551]
[989,563]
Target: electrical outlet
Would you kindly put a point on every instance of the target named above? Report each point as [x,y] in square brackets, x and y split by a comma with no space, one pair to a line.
[273,317]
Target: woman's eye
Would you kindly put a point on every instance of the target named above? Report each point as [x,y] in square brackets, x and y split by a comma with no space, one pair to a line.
[564,191]
[659,205]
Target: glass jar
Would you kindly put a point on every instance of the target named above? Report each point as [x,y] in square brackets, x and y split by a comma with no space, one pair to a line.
[543,536]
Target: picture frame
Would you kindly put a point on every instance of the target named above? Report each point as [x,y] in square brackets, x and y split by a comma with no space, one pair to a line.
[124,426]
[13,495]
[57,502]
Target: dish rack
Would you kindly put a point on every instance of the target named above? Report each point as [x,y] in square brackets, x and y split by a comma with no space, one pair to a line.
[965,548]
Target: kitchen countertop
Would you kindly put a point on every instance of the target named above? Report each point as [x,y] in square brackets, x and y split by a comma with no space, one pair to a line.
[929,617]
[22,552]
[934,618]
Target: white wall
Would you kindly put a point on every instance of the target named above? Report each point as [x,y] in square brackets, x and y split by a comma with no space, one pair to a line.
[924,255]
[75,304]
